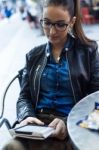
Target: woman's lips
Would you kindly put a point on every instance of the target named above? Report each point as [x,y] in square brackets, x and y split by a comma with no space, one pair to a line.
[54,37]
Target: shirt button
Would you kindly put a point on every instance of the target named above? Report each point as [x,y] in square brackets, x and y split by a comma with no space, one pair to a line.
[41,110]
[66,49]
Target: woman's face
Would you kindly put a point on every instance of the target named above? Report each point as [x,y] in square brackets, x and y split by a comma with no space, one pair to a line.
[55,22]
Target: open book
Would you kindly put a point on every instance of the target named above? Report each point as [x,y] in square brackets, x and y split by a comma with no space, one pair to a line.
[32,131]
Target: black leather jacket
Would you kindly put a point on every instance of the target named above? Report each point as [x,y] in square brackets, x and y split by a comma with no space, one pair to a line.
[83,72]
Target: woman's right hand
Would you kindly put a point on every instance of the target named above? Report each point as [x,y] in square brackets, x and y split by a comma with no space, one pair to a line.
[31,120]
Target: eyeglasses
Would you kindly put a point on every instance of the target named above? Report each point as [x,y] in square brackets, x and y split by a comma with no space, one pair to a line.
[59,25]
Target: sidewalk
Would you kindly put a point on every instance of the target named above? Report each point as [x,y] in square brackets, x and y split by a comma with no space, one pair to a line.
[20,42]
[8,29]
[92,31]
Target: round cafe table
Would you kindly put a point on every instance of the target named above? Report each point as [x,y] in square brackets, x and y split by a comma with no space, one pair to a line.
[81,138]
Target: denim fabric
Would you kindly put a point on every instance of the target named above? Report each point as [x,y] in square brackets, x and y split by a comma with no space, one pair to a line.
[55,89]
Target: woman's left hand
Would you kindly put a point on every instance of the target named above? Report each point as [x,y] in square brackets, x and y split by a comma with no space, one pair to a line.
[60,128]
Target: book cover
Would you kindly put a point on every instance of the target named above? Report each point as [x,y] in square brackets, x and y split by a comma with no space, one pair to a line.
[32,131]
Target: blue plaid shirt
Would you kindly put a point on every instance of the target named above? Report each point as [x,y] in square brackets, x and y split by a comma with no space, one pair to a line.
[55,90]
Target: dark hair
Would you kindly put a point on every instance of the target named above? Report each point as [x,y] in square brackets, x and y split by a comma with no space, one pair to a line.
[73,7]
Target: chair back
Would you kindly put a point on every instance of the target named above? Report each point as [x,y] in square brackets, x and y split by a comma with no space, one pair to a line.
[10,84]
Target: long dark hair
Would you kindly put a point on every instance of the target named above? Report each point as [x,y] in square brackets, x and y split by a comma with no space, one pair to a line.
[73,7]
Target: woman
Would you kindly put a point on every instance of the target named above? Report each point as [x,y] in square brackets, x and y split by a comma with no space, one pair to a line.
[58,74]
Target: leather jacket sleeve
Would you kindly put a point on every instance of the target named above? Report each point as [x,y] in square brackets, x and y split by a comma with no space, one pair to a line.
[94,71]
[26,100]
[24,104]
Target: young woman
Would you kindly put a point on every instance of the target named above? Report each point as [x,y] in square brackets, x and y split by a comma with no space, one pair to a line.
[61,72]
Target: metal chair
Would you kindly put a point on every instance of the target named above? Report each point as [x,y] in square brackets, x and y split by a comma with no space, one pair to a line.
[2,118]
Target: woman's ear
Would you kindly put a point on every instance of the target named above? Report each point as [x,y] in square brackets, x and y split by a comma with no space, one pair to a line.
[73,21]
[70,27]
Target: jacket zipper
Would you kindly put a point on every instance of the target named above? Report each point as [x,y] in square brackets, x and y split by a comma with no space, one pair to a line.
[70,78]
[45,60]
[35,76]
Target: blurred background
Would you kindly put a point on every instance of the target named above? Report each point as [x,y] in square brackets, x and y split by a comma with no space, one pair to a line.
[20,31]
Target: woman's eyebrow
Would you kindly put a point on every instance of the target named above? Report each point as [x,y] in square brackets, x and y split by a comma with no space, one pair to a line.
[55,21]
[46,19]
[61,21]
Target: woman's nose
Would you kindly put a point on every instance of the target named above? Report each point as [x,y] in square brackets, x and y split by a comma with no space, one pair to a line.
[52,30]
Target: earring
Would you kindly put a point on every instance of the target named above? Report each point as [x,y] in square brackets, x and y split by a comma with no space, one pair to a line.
[70,32]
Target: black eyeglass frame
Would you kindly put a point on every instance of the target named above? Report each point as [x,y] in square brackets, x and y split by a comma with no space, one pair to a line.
[54,24]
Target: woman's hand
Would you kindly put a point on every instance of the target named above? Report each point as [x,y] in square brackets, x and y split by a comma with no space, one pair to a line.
[31,120]
[60,128]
